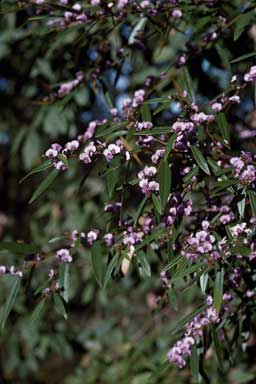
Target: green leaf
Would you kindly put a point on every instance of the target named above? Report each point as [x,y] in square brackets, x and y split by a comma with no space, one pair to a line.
[187,319]
[145,113]
[218,347]
[184,272]
[188,84]
[157,204]
[10,300]
[200,160]
[138,29]
[145,266]
[223,126]
[110,268]
[194,363]
[224,56]
[38,312]
[18,248]
[40,168]
[113,176]
[153,131]
[60,305]
[165,180]
[97,262]
[203,282]
[174,262]
[243,57]
[218,290]
[242,23]
[239,250]
[193,172]
[66,282]
[169,146]
[64,160]
[140,209]
[252,199]
[172,298]
[44,185]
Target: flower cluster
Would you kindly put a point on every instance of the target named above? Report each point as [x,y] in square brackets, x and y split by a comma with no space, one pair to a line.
[251,75]
[193,332]
[244,170]
[178,208]
[200,243]
[147,184]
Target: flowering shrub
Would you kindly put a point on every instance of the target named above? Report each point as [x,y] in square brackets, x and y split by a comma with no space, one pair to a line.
[159,116]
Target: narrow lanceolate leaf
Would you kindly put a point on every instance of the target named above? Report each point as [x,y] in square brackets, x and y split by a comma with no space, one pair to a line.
[145,266]
[169,146]
[66,282]
[38,312]
[138,29]
[242,23]
[97,262]
[224,56]
[165,179]
[18,248]
[188,85]
[243,57]
[42,167]
[172,298]
[187,319]
[10,301]
[223,127]
[44,185]
[140,209]
[157,204]
[218,290]
[218,347]
[200,160]
[59,305]
[194,363]
[110,268]
[241,207]
[194,171]
[203,282]
[145,113]
[252,198]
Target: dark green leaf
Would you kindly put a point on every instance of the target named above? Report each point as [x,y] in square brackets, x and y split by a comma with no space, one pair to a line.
[140,209]
[193,172]
[188,84]
[157,204]
[165,179]
[200,160]
[172,298]
[44,185]
[242,23]
[97,262]
[110,268]
[60,305]
[223,126]
[38,312]
[145,266]
[187,319]
[218,290]
[243,57]
[145,113]
[218,347]
[169,146]
[10,300]
[40,168]
[194,363]
[252,199]
[18,248]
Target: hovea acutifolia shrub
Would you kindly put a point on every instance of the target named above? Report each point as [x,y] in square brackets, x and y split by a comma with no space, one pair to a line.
[144,115]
